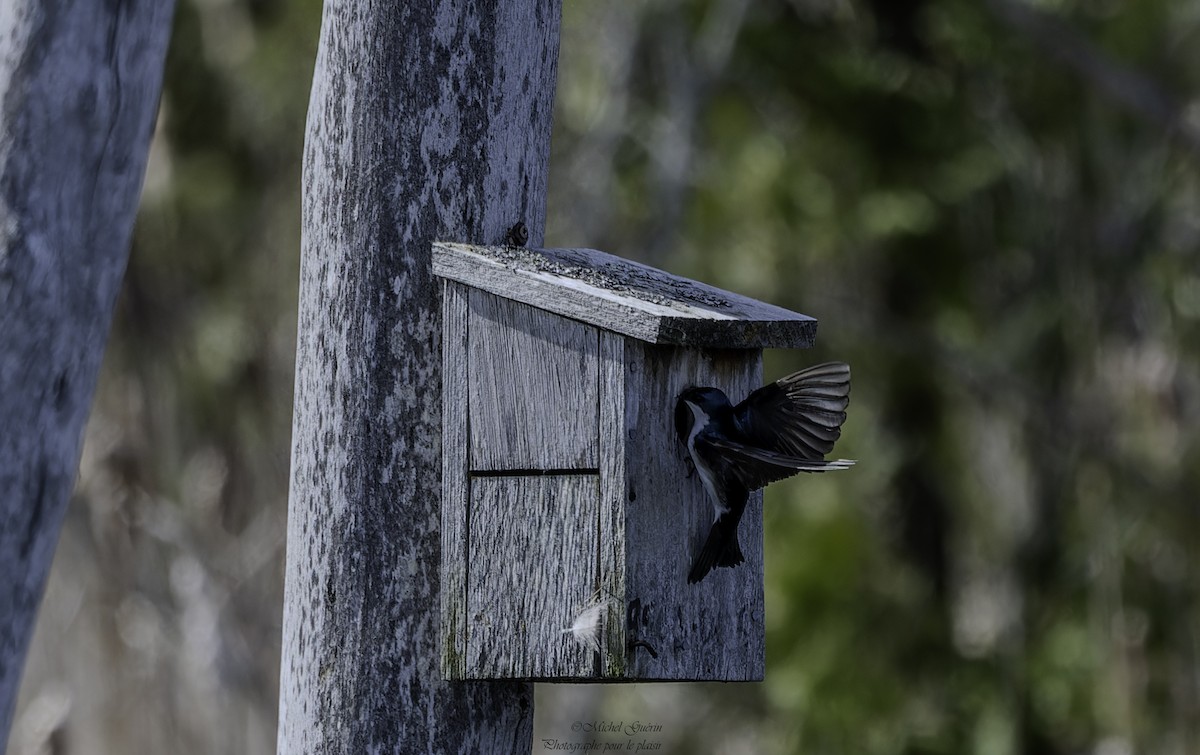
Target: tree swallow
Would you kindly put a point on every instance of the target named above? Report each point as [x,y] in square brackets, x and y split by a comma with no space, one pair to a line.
[780,430]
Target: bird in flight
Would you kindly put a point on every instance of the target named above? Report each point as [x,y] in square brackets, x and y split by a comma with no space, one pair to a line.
[779,430]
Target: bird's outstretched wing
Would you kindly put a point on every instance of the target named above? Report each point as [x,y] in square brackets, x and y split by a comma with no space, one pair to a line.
[798,416]
[757,467]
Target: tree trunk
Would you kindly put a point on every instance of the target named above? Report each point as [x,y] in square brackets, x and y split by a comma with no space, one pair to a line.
[79,88]
[424,123]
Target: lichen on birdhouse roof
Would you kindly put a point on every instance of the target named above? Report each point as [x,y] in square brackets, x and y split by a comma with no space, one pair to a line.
[625,297]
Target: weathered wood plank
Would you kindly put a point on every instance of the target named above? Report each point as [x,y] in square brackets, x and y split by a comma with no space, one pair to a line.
[79,89]
[455,488]
[710,630]
[625,297]
[611,514]
[533,388]
[532,571]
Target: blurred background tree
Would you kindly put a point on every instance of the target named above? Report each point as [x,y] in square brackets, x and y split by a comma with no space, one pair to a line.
[991,208]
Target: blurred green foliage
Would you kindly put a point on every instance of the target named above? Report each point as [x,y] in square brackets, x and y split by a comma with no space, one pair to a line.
[1004,255]
[1005,252]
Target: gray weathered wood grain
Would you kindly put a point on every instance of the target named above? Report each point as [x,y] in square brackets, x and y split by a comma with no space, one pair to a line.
[533,570]
[456,482]
[625,297]
[425,121]
[533,388]
[710,630]
[79,89]
[611,515]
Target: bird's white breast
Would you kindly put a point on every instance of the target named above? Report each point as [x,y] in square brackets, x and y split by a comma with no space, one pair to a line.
[700,421]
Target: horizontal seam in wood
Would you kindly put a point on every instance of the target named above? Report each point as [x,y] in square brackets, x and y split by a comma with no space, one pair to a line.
[533,472]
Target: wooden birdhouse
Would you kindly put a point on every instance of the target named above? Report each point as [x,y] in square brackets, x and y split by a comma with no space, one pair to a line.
[570,518]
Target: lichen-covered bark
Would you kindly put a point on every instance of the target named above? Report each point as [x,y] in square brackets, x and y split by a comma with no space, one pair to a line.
[427,121]
[79,88]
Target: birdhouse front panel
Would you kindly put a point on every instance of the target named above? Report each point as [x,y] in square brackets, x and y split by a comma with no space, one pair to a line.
[714,629]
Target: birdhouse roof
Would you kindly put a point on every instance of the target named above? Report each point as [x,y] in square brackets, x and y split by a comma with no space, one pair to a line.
[624,297]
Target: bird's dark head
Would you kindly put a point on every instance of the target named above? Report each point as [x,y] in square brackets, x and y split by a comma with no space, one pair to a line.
[695,405]
[708,399]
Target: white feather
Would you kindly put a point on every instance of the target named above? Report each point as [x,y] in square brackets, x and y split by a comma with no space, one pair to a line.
[699,422]
[588,624]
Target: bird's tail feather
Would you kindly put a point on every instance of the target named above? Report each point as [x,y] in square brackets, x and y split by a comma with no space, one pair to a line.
[720,549]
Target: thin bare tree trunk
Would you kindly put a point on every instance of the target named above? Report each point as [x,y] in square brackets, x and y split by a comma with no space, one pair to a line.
[426,122]
[79,89]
